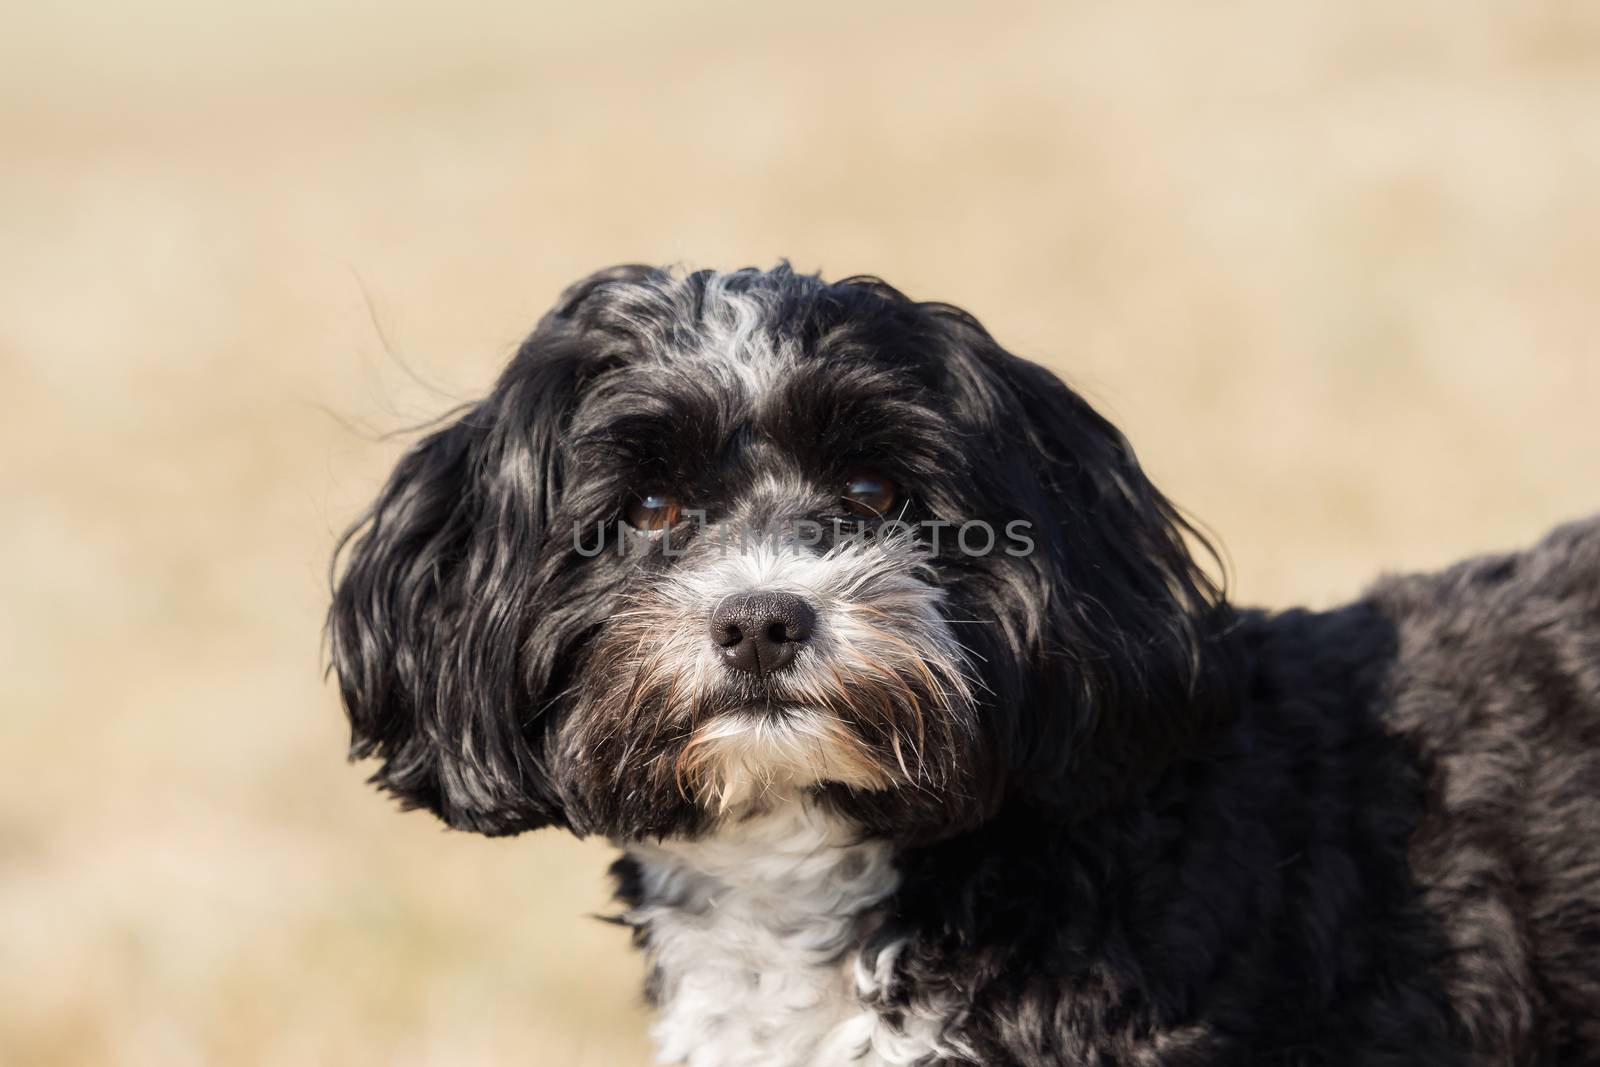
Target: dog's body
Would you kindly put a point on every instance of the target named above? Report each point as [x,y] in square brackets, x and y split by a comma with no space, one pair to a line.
[1049,803]
[1392,857]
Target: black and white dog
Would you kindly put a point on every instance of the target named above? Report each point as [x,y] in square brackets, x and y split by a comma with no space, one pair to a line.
[924,736]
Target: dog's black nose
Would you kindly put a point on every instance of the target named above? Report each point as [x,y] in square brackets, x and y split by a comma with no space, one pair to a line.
[760,632]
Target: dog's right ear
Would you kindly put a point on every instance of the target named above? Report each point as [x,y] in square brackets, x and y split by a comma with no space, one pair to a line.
[1122,631]
[432,626]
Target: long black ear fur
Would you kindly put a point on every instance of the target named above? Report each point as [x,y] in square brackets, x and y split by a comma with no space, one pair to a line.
[1128,661]
[434,613]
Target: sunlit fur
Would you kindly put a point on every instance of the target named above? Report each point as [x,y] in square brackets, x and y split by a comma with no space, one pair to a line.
[1047,807]
[879,698]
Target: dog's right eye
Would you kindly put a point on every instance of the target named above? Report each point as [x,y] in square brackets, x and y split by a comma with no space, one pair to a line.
[653,511]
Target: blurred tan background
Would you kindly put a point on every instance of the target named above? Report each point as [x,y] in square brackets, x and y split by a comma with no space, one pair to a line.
[1334,267]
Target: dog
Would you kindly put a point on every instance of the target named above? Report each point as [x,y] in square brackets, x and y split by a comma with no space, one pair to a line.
[924,731]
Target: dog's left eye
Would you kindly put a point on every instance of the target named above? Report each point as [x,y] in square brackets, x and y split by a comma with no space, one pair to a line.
[868,495]
[653,511]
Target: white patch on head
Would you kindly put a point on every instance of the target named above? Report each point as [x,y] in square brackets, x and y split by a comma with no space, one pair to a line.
[736,342]
[755,934]
[721,330]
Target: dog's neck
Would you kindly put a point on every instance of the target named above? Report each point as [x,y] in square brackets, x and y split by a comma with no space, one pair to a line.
[756,935]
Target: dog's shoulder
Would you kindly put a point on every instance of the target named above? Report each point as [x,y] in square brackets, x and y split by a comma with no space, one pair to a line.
[1500,638]
[1556,582]
[1495,677]
[1496,682]
[1493,661]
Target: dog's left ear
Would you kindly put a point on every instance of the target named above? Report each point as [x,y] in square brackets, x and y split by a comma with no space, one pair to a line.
[1127,657]
[454,596]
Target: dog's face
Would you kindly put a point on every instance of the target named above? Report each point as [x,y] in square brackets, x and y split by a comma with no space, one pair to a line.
[721,539]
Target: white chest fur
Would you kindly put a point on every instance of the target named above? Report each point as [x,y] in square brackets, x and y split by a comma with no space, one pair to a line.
[754,934]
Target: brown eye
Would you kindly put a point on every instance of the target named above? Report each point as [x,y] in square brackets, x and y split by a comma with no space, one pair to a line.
[868,495]
[653,511]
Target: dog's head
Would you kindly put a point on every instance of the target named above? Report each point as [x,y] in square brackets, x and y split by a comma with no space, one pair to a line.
[720,538]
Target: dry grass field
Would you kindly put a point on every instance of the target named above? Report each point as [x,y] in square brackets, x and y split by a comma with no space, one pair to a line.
[1335,267]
